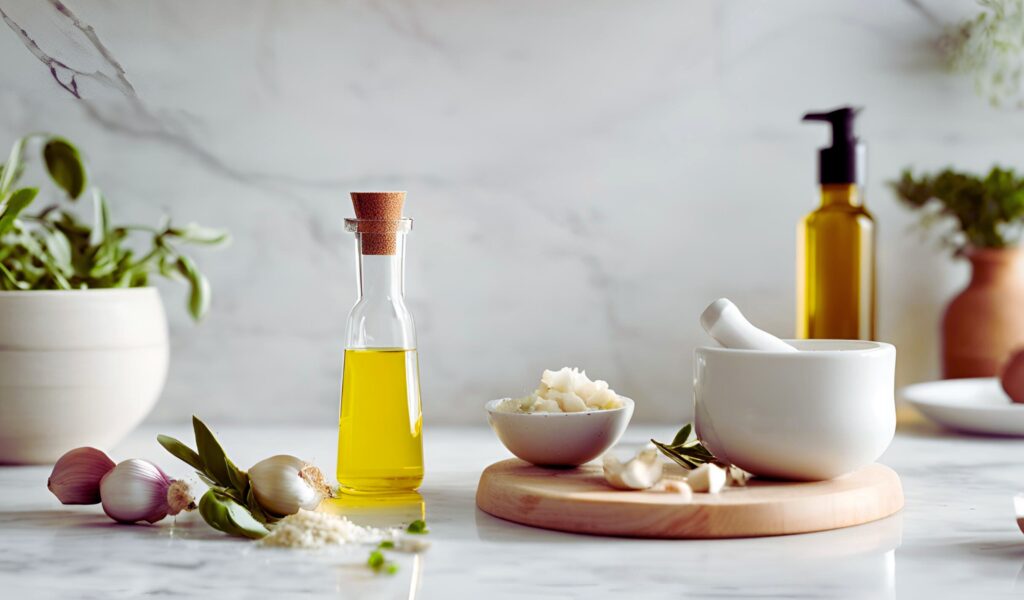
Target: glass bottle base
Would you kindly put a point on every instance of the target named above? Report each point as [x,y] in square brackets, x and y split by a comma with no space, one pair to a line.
[378,485]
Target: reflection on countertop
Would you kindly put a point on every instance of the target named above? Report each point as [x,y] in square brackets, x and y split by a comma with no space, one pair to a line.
[956,537]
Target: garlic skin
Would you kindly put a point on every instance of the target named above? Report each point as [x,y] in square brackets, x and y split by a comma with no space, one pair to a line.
[708,478]
[76,476]
[639,473]
[284,484]
[137,490]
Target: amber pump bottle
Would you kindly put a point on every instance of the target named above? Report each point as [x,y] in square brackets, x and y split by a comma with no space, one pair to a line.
[836,243]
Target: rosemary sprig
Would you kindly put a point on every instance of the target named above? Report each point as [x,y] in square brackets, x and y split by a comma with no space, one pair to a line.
[685,449]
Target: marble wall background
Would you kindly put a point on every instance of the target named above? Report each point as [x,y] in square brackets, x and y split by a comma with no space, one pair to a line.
[586,175]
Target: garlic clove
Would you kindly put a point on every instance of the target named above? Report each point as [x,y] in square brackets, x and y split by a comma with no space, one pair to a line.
[737,476]
[612,467]
[137,490]
[284,484]
[76,476]
[639,473]
[569,401]
[562,380]
[680,488]
[708,478]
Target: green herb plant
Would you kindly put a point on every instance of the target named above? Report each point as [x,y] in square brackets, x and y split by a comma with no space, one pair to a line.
[685,449]
[990,48]
[988,210]
[230,504]
[53,249]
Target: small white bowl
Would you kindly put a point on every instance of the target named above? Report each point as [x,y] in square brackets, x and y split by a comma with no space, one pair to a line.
[560,439]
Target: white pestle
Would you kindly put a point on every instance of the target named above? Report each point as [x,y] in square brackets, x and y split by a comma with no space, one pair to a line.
[724,322]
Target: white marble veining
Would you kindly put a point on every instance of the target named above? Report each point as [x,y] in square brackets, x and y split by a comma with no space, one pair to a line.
[956,538]
[586,175]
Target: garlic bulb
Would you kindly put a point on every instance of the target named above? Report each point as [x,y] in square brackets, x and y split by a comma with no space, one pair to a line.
[283,484]
[639,473]
[137,490]
[76,476]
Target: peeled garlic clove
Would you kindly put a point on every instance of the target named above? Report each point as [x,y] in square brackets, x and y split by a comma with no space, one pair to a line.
[612,467]
[639,473]
[683,489]
[569,401]
[283,484]
[738,477]
[76,476]
[708,478]
[562,380]
[137,490]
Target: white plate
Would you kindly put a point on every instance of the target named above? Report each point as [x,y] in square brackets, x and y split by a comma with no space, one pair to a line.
[974,405]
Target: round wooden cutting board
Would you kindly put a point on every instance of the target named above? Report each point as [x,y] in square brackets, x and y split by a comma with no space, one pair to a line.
[578,500]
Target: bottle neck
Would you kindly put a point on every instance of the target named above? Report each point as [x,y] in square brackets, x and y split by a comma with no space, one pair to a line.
[840,194]
[382,276]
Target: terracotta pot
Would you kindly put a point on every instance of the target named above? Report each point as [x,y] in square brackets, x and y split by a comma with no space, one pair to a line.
[985,323]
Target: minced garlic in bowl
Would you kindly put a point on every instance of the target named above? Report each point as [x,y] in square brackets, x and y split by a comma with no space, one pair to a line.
[564,391]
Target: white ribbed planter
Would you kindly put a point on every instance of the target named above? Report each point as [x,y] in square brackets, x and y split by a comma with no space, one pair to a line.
[77,368]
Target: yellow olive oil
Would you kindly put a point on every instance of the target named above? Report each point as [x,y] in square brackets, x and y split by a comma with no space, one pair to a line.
[380,444]
[836,268]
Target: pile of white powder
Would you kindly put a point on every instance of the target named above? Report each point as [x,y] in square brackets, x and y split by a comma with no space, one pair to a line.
[312,529]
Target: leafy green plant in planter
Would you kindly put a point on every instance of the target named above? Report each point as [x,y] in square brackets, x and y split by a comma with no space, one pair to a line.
[54,250]
[982,324]
[989,210]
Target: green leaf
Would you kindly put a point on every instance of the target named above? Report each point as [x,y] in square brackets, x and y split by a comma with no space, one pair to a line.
[197,234]
[59,249]
[65,166]
[683,436]
[10,281]
[199,288]
[212,454]
[681,460]
[181,451]
[12,167]
[239,478]
[12,207]
[223,513]
[101,220]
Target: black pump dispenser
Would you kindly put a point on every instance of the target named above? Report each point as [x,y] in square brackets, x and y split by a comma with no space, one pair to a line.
[843,161]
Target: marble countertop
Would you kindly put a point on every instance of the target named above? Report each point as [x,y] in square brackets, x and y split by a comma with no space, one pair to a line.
[957,537]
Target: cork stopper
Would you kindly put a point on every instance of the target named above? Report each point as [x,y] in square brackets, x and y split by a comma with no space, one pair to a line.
[378,213]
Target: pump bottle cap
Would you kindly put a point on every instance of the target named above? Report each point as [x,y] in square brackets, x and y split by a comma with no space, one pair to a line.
[843,161]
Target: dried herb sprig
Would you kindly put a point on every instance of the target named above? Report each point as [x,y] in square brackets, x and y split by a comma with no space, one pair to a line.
[685,449]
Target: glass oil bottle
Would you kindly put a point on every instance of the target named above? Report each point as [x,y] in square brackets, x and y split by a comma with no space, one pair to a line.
[836,243]
[380,444]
